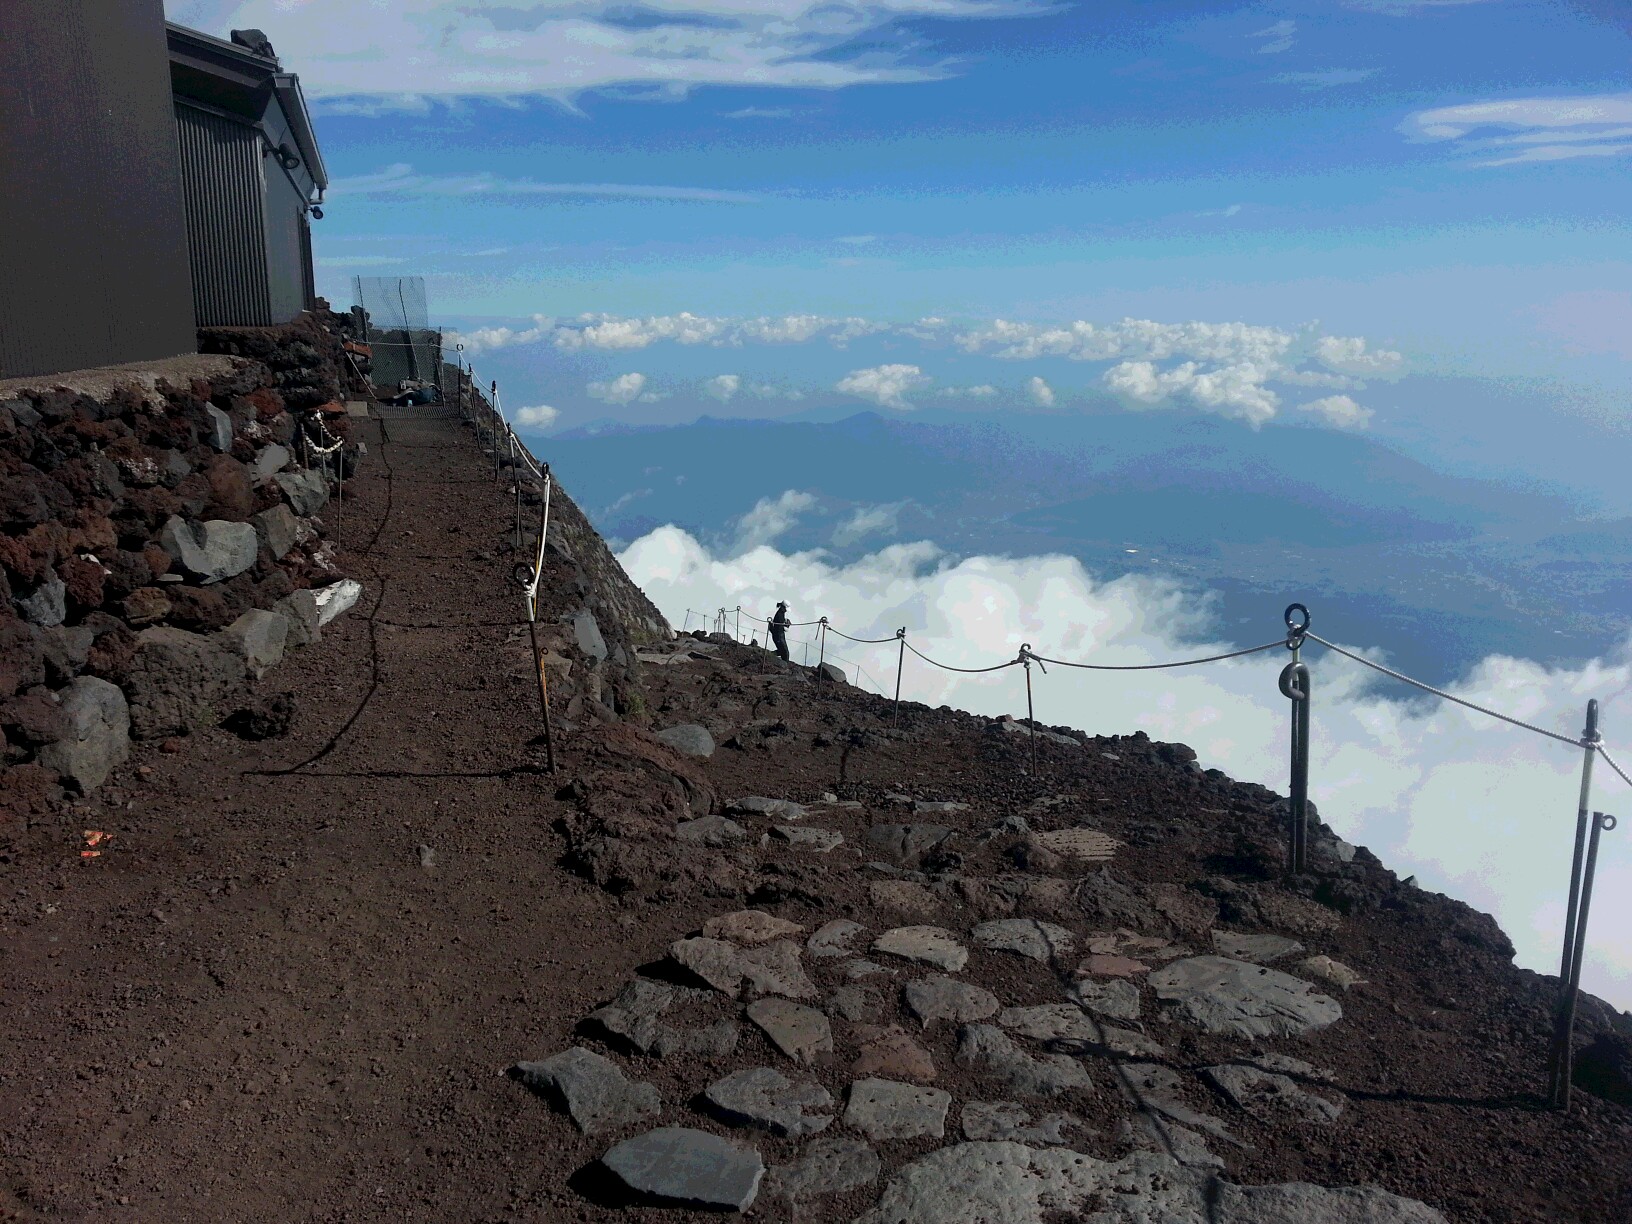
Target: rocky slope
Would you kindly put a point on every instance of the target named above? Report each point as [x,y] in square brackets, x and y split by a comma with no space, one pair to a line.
[753,946]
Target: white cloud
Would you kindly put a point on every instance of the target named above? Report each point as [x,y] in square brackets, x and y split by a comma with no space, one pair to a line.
[540,417]
[1280,37]
[624,389]
[1468,805]
[1351,355]
[1040,392]
[723,386]
[1235,391]
[1339,410]
[1226,368]
[375,56]
[870,521]
[770,518]
[886,385]
[1534,129]
[759,112]
[485,339]
[399,180]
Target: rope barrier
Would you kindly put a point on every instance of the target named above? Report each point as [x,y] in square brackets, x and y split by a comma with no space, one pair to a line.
[862,641]
[1234,654]
[968,671]
[1610,761]
[1574,741]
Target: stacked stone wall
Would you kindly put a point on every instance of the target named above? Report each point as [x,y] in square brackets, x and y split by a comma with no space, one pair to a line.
[160,546]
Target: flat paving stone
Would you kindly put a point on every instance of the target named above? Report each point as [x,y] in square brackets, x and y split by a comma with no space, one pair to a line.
[1113,997]
[988,1047]
[1065,1028]
[1222,995]
[1010,1183]
[861,970]
[1333,973]
[857,1004]
[761,805]
[834,938]
[1029,937]
[1269,1096]
[820,841]
[943,998]
[634,1015]
[1123,942]
[714,831]
[925,807]
[1259,949]
[1100,964]
[713,960]
[764,1097]
[928,945]
[1160,1089]
[1010,1121]
[882,1109]
[1080,845]
[904,897]
[774,969]
[748,927]
[592,1089]
[830,1165]
[802,1033]
[889,1052]
[682,1167]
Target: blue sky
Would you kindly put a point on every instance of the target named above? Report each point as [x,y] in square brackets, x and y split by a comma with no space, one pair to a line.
[1444,179]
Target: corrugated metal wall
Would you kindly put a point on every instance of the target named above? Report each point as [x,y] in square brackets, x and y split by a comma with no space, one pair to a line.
[286,265]
[93,240]
[224,186]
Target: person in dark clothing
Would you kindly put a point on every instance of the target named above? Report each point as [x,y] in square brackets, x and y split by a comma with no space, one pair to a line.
[779,629]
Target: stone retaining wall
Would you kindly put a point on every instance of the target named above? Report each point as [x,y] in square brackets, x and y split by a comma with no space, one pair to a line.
[160,546]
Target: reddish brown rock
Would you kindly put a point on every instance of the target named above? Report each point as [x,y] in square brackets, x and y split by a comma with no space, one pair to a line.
[231,497]
[34,718]
[891,1053]
[22,662]
[84,579]
[157,559]
[199,608]
[146,606]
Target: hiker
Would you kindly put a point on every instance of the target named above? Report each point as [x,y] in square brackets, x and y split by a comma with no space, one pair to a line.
[779,629]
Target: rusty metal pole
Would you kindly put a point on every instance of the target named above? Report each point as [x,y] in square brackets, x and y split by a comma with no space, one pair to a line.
[821,647]
[1031,721]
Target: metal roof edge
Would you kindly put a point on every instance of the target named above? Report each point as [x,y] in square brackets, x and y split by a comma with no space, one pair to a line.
[287,87]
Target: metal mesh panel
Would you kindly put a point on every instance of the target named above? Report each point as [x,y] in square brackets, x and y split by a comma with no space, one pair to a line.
[397,327]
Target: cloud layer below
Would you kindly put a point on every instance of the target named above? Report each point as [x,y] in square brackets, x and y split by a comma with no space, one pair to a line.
[1226,368]
[1471,806]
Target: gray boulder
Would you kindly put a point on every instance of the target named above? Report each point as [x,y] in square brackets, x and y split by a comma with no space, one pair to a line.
[47,606]
[258,637]
[273,458]
[210,551]
[301,610]
[220,431]
[305,491]
[276,529]
[588,633]
[835,673]
[98,733]
[336,598]
[689,739]
[179,680]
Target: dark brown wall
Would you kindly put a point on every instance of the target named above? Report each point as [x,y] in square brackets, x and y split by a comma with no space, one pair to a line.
[93,239]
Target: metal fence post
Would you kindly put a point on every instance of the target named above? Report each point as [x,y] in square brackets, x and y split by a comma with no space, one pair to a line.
[1295,686]
[900,661]
[821,647]
[1559,1063]
[1575,948]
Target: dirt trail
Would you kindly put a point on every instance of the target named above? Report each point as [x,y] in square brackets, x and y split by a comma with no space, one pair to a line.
[258,1003]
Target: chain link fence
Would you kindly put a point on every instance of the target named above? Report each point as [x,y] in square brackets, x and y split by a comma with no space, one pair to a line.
[395,324]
